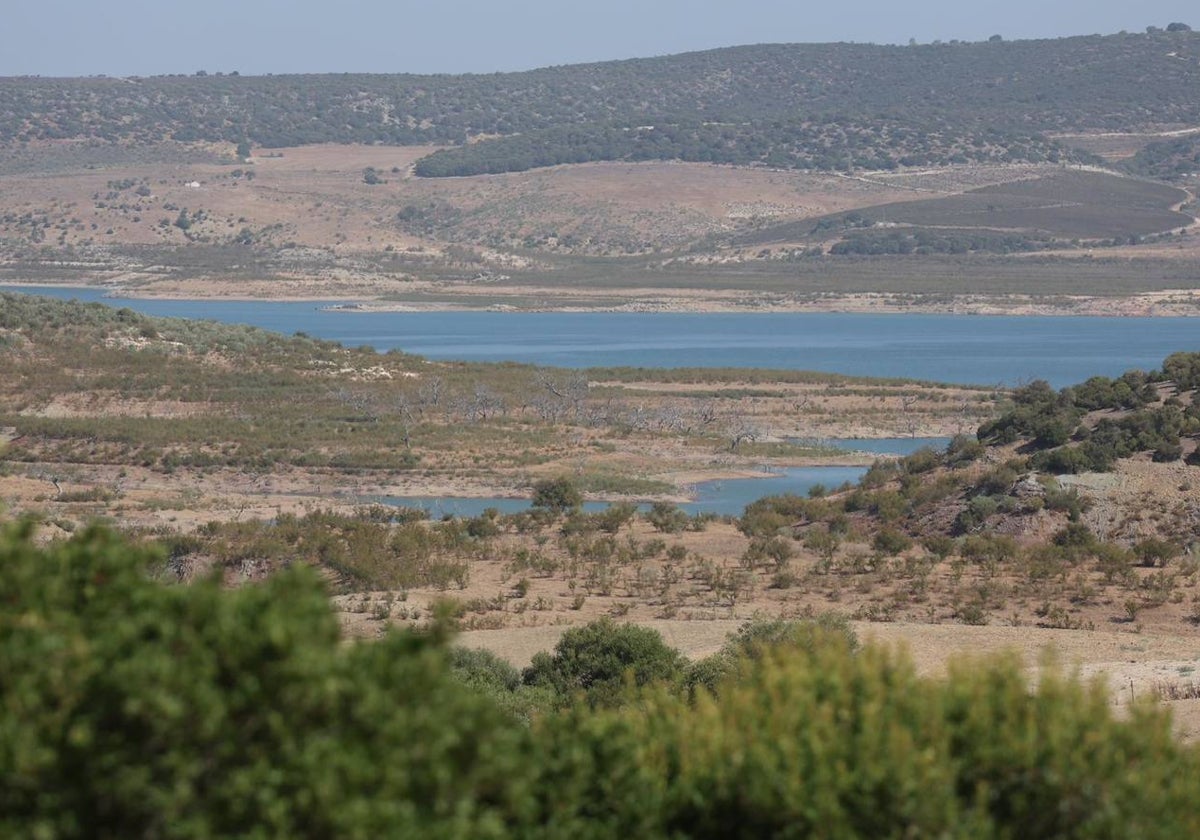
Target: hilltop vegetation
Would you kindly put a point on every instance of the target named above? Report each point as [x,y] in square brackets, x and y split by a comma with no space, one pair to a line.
[824,106]
[805,143]
[1091,426]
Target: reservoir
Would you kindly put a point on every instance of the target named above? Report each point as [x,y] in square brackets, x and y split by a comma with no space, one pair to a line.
[965,349]
[726,497]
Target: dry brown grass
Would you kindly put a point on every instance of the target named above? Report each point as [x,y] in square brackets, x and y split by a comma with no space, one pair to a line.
[315,196]
[644,235]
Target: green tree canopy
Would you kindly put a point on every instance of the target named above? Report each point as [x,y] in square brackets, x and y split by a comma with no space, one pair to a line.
[558,494]
[599,658]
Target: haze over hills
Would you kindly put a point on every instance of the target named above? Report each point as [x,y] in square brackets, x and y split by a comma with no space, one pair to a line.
[836,161]
[810,106]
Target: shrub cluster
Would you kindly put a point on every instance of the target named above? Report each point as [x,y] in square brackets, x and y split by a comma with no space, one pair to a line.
[1049,420]
[1156,431]
[132,708]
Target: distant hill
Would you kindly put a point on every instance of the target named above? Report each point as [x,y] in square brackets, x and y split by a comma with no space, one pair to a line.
[808,106]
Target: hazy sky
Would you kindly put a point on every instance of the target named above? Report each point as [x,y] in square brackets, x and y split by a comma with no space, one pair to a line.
[147,37]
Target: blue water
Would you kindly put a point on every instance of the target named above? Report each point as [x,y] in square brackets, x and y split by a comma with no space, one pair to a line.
[732,495]
[984,350]
[729,496]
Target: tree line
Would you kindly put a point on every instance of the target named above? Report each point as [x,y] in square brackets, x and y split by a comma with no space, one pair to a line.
[957,88]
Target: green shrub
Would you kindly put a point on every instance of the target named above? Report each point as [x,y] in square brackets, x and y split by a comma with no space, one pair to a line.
[775,551]
[1184,369]
[129,708]
[1155,552]
[923,460]
[997,482]
[597,661]
[484,526]
[1167,451]
[988,548]
[1066,499]
[765,517]
[939,545]
[488,674]
[134,709]
[1068,460]
[963,449]
[483,668]
[616,516]
[1075,537]
[891,542]
[757,637]
[976,513]
[557,494]
[880,473]
[860,746]
[667,518]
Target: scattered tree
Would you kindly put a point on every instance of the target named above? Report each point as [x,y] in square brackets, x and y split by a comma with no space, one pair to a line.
[557,494]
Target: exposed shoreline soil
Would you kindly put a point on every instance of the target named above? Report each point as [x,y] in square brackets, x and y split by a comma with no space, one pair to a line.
[368,297]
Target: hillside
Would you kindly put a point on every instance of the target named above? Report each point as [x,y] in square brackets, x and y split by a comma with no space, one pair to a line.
[814,106]
[1073,509]
[1070,522]
[134,413]
[948,177]
[302,222]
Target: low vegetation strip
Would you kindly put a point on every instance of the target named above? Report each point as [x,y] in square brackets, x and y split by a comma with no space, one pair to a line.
[795,144]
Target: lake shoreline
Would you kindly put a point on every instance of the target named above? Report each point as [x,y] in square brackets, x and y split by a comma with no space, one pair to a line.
[956,349]
[1169,303]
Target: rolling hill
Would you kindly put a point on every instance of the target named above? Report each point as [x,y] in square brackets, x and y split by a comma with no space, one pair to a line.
[781,169]
[809,106]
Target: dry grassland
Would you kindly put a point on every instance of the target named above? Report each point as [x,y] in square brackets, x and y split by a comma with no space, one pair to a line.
[303,223]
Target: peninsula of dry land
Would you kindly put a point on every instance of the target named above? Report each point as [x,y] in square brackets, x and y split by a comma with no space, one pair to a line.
[1070,521]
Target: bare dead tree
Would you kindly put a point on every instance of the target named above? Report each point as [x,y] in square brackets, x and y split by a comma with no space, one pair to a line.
[569,390]
[907,402]
[741,430]
[964,415]
[360,403]
[406,406]
[638,418]
[546,407]
[608,413]
[671,419]
[706,413]
[430,394]
[485,404]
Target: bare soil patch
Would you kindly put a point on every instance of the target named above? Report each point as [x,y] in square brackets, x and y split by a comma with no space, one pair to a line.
[302,223]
